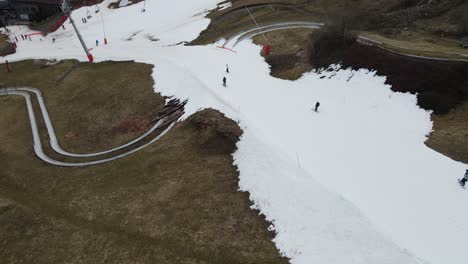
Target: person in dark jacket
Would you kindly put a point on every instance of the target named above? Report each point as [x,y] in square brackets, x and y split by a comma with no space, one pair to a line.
[224,81]
[463,180]
[317,106]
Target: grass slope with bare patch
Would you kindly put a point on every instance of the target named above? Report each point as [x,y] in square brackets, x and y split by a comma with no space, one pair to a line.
[176,201]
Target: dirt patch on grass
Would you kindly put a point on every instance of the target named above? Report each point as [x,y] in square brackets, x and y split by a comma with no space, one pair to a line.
[176,201]
[224,139]
[131,125]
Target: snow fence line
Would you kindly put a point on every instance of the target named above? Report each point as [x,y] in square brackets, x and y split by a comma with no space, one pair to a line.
[37,145]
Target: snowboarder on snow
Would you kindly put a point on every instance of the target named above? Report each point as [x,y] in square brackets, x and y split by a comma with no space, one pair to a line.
[463,180]
[97,42]
[53,40]
[227,68]
[224,81]
[317,106]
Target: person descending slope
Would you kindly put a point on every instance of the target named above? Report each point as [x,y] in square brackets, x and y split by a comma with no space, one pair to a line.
[317,106]
[224,81]
[227,68]
[463,180]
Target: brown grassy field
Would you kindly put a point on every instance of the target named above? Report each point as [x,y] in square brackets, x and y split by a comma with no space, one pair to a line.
[118,99]
[175,201]
[450,135]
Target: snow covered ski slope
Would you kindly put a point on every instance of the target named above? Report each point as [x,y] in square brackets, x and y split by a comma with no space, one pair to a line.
[351,184]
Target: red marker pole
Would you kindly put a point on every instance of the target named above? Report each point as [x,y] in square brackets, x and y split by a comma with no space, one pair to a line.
[266,50]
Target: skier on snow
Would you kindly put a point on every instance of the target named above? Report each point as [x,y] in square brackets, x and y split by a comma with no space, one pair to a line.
[463,180]
[317,106]
[224,81]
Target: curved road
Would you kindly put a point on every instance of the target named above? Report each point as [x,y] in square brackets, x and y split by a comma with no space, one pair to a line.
[232,41]
[37,145]
[268,28]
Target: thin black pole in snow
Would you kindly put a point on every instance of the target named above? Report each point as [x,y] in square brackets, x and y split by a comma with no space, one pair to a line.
[255,21]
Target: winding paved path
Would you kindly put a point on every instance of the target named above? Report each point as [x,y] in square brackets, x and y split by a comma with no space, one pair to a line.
[392,49]
[23,91]
[234,40]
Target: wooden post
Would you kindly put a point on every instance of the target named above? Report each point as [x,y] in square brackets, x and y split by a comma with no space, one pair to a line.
[8,66]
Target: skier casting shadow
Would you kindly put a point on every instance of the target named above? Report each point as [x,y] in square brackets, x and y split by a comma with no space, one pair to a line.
[463,180]
[317,106]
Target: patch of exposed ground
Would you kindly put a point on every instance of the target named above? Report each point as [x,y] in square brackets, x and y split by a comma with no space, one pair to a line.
[176,201]
[6,47]
[450,135]
[289,56]
[228,22]
[3,40]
